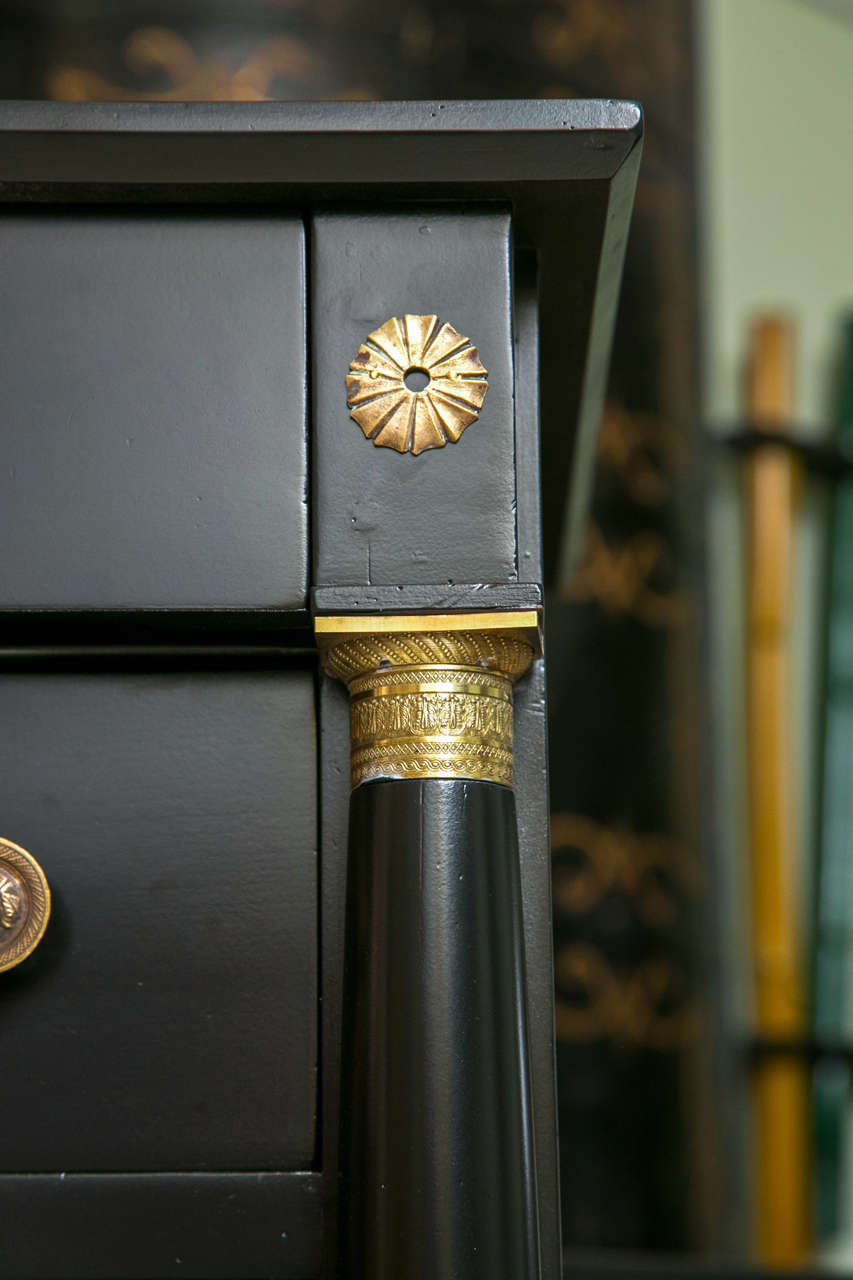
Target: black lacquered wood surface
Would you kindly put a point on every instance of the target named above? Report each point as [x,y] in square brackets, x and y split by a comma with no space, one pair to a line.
[380,522]
[438,1155]
[220,1226]
[168,1020]
[153,382]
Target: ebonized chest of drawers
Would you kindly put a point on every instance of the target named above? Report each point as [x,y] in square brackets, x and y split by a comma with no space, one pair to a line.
[270,388]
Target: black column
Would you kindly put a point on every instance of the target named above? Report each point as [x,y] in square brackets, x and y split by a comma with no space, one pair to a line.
[437,1145]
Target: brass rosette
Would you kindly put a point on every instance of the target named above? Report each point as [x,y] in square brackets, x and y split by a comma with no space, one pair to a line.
[393,415]
[432,697]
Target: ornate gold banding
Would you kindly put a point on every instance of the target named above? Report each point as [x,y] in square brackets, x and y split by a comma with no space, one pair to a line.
[430,695]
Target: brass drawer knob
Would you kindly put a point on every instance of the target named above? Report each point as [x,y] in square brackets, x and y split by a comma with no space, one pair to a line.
[24,904]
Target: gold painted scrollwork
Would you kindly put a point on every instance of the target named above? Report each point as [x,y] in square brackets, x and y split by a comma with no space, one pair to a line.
[591,859]
[648,1006]
[626,578]
[165,55]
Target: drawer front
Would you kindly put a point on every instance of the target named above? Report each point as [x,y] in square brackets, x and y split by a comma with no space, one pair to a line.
[154,437]
[167,1020]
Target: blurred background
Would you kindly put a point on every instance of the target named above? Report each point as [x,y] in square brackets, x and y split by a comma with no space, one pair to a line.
[701,653]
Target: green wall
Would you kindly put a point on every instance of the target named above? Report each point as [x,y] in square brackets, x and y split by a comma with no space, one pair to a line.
[776,201]
[777,127]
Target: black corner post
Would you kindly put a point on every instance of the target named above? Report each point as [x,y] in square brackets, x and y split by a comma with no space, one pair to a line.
[437,1160]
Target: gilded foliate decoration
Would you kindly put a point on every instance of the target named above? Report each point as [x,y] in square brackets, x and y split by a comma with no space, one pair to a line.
[431,704]
[361,659]
[415,384]
[434,726]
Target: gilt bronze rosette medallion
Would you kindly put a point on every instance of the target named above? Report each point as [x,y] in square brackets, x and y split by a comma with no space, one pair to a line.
[415,384]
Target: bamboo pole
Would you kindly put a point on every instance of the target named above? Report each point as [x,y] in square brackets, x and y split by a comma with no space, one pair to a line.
[781,1081]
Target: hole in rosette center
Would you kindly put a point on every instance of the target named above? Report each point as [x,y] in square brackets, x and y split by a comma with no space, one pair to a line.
[416,379]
